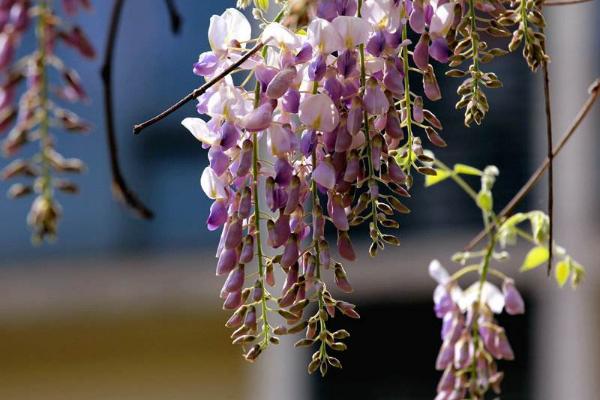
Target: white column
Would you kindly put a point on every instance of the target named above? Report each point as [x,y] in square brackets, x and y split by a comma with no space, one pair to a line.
[566,346]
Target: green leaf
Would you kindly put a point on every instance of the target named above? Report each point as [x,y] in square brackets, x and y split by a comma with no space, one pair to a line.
[467,170]
[578,273]
[441,176]
[562,272]
[536,257]
[540,225]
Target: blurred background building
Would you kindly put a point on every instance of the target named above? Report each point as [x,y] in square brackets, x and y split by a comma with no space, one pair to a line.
[120,308]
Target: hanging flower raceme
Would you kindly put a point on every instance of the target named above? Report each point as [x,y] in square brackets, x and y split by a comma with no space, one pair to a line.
[330,89]
[472,339]
[37,115]
[333,100]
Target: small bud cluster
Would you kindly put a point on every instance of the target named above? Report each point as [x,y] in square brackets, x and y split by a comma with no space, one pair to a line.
[36,114]
[466,42]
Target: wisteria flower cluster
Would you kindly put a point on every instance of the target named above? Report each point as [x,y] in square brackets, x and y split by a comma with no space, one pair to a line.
[36,114]
[472,338]
[334,104]
[329,86]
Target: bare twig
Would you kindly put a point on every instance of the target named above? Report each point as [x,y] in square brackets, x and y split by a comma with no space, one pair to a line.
[564,2]
[550,156]
[199,91]
[119,185]
[174,15]
[594,93]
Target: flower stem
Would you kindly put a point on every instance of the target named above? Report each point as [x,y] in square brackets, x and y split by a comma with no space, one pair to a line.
[257,214]
[407,103]
[45,139]
[457,179]
[363,83]
[475,48]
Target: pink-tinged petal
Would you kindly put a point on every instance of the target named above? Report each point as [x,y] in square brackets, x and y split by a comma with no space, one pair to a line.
[375,100]
[201,131]
[281,83]
[245,206]
[393,126]
[212,185]
[430,85]
[442,20]
[505,351]
[245,160]
[514,303]
[355,117]
[352,167]
[259,119]
[393,79]
[439,50]
[417,19]
[291,101]
[324,174]
[233,237]
[233,300]
[235,280]
[230,135]
[445,356]
[207,64]
[279,139]
[250,320]
[290,252]
[318,112]
[227,261]
[447,380]
[323,36]
[341,279]
[438,272]
[247,253]
[421,52]
[217,216]
[338,214]
[278,35]
[353,30]
[345,246]
[462,353]
[231,25]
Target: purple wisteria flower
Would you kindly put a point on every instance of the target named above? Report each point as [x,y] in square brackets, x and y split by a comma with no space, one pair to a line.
[472,340]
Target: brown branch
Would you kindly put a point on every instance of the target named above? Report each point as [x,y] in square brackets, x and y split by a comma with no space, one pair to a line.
[550,156]
[119,186]
[174,15]
[564,2]
[594,93]
[199,91]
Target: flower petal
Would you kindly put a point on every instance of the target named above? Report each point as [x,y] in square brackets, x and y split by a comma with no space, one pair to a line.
[200,130]
[319,113]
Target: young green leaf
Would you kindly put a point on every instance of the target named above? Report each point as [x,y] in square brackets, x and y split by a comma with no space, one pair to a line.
[536,257]
[441,176]
[562,272]
[577,275]
[466,170]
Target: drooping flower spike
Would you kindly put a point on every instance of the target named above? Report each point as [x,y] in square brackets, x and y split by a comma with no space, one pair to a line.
[36,116]
[332,94]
